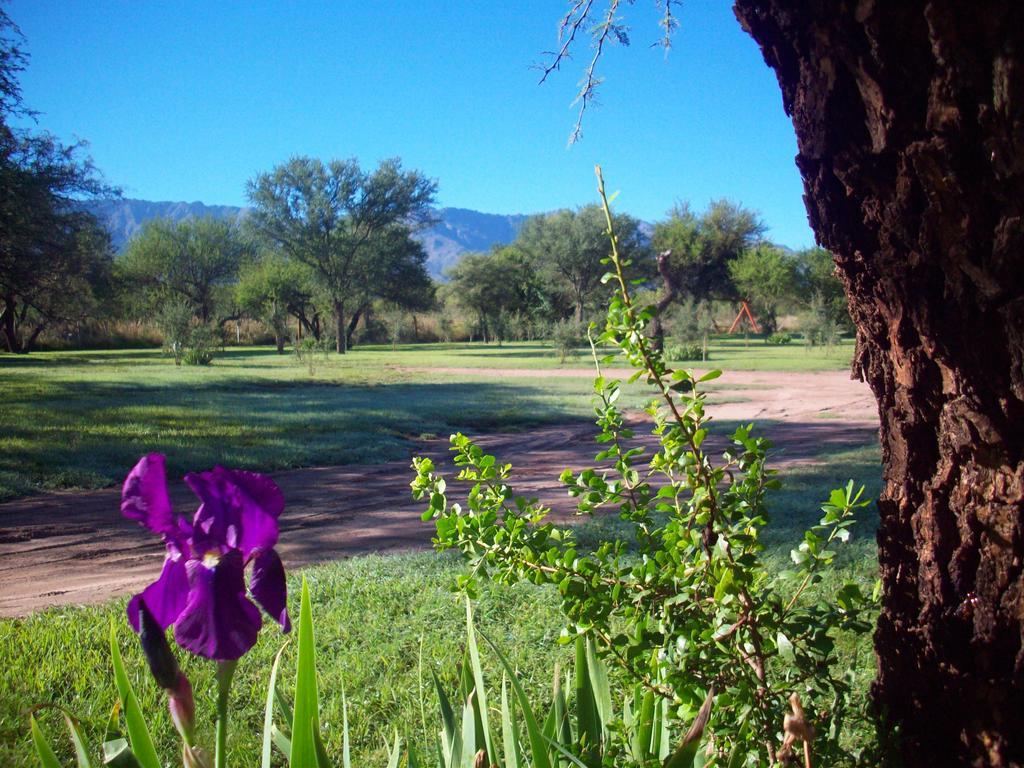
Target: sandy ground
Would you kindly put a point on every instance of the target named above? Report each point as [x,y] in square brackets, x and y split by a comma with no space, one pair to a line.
[73,547]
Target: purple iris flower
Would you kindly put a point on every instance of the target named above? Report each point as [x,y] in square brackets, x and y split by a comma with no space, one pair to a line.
[201,590]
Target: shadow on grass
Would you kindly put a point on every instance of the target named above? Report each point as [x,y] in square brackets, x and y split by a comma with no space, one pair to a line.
[82,433]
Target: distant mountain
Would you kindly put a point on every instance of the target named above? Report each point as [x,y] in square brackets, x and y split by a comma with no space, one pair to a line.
[459,230]
[123,218]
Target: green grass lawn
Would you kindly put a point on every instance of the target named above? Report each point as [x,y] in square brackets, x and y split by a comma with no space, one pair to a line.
[374,616]
[80,419]
[732,353]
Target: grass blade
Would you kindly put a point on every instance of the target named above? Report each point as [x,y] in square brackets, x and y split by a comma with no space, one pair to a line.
[346,752]
[138,733]
[46,755]
[306,716]
[268,714]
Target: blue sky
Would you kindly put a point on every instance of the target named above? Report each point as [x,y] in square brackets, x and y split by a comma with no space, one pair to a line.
[188,100]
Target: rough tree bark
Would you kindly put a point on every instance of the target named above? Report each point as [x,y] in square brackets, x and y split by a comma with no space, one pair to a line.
[909,117]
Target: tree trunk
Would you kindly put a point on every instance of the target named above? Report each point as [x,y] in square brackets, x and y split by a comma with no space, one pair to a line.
[341,339]
[10,328]
[668,294]
[353,323]
[909,118]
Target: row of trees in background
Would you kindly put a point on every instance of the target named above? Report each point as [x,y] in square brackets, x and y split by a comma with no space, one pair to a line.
[694,267]
[327,251]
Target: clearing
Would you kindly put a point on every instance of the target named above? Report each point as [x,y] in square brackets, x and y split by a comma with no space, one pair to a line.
[72,547]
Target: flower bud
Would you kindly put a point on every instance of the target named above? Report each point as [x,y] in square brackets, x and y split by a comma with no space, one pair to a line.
[158,653]
[182,708]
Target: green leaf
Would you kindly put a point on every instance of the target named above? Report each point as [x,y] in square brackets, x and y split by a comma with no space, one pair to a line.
[46,755]
[447,714]
[117,754]
[686,752]
[589,729]
[785,647]
[478,683]
[81,750]
[396,753]
[138,733]
[599,685]
[538,744]
[509,729]
[268,712]
[306,719]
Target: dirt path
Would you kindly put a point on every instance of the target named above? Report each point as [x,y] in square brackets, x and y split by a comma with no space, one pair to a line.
[69,548]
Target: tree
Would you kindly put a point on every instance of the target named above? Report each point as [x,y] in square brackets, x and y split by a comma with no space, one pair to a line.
[908,117]
[567,248]
[395,273]
[195,260]
[494,286]
[54,259]
[767,276]
[272,287]
[338,220]
[702,247]
[59,277]
[821,286]
[695,253]
[909,125]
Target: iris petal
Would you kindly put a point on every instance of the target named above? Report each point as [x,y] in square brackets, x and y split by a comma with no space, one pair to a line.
[268,587]
[144,496]
[239,510]
[166,597]
[219,622]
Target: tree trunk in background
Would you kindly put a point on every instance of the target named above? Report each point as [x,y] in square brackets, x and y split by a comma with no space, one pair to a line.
[909,117]
[352,324]
[341,336]
[668,295]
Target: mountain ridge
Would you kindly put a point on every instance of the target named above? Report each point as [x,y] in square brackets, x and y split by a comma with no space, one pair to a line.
[457,231]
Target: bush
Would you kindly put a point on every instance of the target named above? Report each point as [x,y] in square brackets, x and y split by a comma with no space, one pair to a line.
[174,319]
[203,343]
[686,351]
[779,338]
[681,599]
[820,325]
[311,352]
[567,336]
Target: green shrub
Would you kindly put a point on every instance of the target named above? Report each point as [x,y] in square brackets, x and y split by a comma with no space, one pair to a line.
[685,351]
[201,346]
[174,319]
[567,336]
[779,338]
[681,599]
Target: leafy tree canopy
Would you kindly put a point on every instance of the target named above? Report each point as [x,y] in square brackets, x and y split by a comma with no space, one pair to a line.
[343,223]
